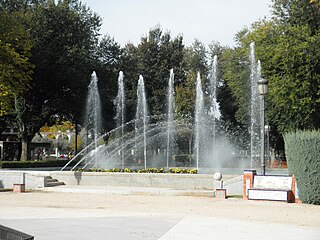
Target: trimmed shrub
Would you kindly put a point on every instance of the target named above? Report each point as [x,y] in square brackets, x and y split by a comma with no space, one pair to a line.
[303,159]
[35,164]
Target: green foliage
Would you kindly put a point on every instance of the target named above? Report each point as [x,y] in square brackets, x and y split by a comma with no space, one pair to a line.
[298,13]
[15,66]
[194,61]
[185,96]
[303,158]
[235,69]
[35,164]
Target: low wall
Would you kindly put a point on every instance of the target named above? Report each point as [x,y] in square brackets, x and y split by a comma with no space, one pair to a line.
[162,180]
[31,181]
[38,179]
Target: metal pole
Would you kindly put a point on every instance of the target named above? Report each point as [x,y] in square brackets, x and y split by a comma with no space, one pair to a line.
[263,165]
[267,133]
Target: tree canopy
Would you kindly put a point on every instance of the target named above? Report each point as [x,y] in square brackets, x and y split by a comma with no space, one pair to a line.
[62,39]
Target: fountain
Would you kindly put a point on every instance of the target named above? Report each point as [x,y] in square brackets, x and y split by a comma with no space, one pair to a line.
[254,109]
[120,101]
[132,143]
[93,114]
[170,117]
[146,141]
[141,119]
[214,110]
[198,119]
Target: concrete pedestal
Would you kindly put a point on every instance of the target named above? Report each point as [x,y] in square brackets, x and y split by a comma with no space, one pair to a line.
[19,188]
[248,176]
[221,193]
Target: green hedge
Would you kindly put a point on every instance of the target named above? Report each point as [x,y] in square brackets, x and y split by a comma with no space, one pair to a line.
[34,164]
[303,159]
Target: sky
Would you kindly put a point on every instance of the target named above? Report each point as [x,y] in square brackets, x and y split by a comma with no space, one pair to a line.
[205,20]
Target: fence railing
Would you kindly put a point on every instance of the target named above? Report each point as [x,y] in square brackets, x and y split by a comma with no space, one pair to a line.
[12,234]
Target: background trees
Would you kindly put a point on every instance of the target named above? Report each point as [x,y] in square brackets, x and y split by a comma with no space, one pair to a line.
[48,50]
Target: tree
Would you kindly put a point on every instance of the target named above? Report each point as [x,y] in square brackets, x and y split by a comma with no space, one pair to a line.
[155,56]
[64,36]
[234,67]
[15,51]
[129,64]
[287,47]
[194,61]
[227,102]
[109,59]
[186,96]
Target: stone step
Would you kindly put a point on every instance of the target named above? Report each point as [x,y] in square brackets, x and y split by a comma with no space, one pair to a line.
[51,182]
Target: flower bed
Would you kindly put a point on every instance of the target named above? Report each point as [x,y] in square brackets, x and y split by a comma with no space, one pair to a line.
[147,170]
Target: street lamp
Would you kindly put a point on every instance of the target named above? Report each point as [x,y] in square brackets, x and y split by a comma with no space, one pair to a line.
[263,90]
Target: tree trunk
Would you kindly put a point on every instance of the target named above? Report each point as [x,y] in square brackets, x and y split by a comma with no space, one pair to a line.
[24,148]
[25,140]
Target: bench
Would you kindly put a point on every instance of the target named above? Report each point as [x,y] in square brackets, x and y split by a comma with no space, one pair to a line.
[272,188]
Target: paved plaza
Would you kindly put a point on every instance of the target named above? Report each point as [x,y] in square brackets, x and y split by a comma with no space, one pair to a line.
[98,215]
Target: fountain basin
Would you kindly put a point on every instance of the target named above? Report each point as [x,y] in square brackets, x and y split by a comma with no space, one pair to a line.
[153,180]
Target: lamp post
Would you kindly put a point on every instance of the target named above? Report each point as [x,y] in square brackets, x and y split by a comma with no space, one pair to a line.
[263,90]
[267,134]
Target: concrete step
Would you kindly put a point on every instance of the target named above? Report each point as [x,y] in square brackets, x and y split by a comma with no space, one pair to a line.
[51,182]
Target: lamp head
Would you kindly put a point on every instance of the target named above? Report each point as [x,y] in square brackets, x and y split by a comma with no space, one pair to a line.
[263,86]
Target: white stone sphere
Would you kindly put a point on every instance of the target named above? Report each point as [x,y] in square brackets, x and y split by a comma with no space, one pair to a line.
[217,176]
